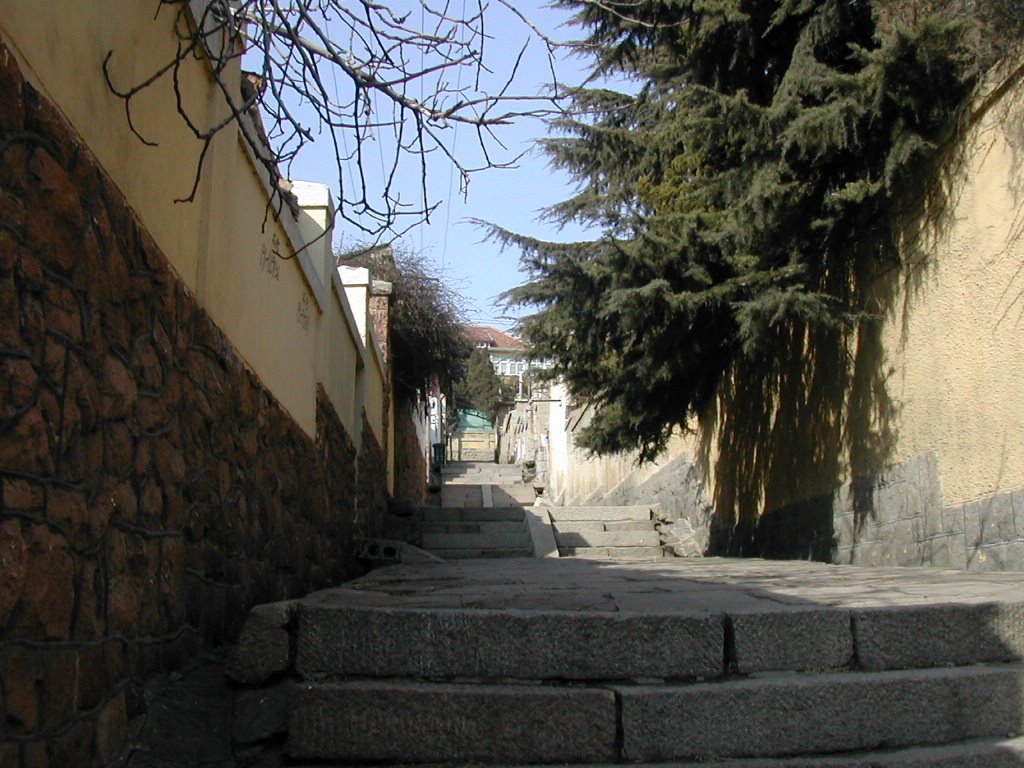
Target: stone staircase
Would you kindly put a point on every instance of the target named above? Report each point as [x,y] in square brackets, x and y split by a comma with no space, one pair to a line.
[480,514]
[472,532]
[486,511]
[685,662]
[623,532]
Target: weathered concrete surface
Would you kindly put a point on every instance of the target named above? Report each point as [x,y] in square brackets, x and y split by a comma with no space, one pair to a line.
[336,639]
[799,715]
[398,721]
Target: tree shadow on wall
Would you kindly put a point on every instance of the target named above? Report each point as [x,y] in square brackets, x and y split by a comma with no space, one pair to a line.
[815,410]
[789,429]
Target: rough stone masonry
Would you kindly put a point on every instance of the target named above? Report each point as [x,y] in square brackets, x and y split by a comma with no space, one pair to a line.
[151,490]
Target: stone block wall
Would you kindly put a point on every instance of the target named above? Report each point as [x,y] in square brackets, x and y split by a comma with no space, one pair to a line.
[151,489]
[410,459]
[895,518]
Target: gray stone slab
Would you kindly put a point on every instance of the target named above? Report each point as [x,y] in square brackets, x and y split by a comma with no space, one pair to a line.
[260,714]
[990,520]
[934,635]
[506,494]
[797,640]
[474,514]
[945,551]
[592,526]
[409,722]
[491,644]
[987,753]
[489,536]
[793,715]
[483,553]
[263,647]
[712,585]
[437,526]
[633,512]
[628,525]
[1008,556]
[613,553]
[648,538]
[541,533]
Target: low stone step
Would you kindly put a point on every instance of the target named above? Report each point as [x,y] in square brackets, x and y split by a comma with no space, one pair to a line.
[612,553]
[976,753]
[483,553]
[576,539]
[474,514]
[339,640]
[633,512]
[777,716]
[598,526]
[487,538]
[512,493]
[414,722]
[475,527]
[789,715]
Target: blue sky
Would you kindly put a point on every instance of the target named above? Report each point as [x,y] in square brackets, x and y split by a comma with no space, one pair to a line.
[478,270]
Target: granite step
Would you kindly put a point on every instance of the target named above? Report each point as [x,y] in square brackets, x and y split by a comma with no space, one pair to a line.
[481,553]
[484,527]
[473,514]
[607,539]
[613,553]
[559,661]
[597,526]
[476,473]
[489,536]
[352,640]
[631,512]
[792,715]
[773,716]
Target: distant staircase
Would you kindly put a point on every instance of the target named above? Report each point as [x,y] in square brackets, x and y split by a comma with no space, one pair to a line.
[485,510]
[472,532]
[625,532]
[480,514]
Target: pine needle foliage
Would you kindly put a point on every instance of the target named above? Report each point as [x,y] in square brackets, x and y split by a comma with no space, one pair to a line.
[750,192]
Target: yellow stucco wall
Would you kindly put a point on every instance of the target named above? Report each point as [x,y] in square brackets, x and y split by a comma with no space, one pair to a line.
[958,358]
[276,307]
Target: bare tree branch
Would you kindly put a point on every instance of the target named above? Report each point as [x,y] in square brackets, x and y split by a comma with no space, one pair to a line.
[394,79]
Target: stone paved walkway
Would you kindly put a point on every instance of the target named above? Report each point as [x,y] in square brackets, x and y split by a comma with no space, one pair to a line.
[683,585]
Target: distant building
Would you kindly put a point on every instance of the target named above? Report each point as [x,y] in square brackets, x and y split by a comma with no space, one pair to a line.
[509,355]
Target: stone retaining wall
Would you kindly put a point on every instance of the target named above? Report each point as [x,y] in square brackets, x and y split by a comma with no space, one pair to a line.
[410,458]
[151,489]
[894,518]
